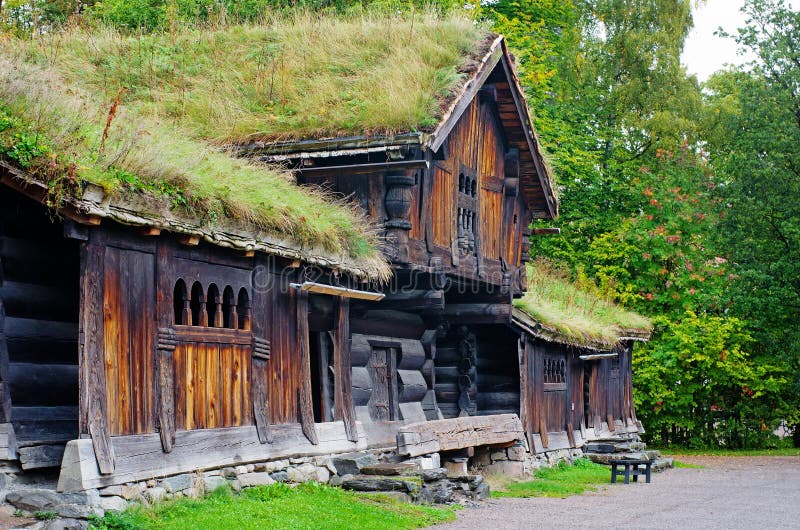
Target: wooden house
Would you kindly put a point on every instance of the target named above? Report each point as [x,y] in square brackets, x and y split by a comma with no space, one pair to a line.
[137,344]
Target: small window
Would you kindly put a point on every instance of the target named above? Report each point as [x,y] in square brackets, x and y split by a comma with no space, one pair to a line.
[229,315]
[214,307]
[243,309]
[180,302]
[198,306]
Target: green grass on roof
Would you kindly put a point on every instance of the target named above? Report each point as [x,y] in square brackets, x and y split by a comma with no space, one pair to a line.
[577,315]
[182,94]
[295,76]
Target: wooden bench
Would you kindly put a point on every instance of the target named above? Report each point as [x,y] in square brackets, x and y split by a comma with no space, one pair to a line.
[631,468]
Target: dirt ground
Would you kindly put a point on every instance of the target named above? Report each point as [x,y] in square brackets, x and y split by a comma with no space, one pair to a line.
[729,492]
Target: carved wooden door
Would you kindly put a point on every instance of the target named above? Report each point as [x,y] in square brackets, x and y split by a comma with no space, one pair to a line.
[383,372]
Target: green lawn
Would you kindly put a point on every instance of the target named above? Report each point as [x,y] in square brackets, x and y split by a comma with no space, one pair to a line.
[561,481]
[279,506]
[681,451]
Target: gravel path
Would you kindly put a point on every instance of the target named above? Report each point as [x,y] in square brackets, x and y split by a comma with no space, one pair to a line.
[729,492]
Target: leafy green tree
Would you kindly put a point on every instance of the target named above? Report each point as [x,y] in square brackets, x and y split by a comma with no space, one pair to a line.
[754,131]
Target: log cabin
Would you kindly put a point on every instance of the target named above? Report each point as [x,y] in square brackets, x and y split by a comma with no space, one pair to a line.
[143,338]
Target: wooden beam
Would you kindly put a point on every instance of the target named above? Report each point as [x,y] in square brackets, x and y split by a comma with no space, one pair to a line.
[190,240]
[425,301]
[458,433]
[165,345]
[92,394]
[479,313]
[549,231]
[305,399]
[333,290]
[375,168]
[150,231]
[140,457]
[342,386]
[259,378]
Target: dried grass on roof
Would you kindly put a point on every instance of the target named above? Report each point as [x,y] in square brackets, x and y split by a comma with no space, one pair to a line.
[295,76]
[576,315]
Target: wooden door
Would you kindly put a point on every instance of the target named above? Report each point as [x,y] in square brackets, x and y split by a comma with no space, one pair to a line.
[554,378]
[383,405]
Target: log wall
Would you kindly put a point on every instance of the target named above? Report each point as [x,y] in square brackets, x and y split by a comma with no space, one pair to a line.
[38,330]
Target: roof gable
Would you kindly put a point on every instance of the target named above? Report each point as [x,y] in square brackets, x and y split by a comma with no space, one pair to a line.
[497,68]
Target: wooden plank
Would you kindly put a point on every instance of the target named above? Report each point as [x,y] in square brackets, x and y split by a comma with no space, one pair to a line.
[166,404]
[93,404]
[458,433]
[140,457]
[305,398]
[8,442]
[165,350]
[41,456]
[343,390]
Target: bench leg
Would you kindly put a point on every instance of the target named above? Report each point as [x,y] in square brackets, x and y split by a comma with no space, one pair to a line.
[647,472]
[613,473]
[627,474]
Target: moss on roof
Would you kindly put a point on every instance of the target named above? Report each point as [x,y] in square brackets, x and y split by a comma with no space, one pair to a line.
[296,76]
[146,115]
[573,315]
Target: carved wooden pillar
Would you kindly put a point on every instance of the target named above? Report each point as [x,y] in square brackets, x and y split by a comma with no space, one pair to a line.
[93,413]
[399,189]
[305,399]
[343,391]
[263,293]
[165,346]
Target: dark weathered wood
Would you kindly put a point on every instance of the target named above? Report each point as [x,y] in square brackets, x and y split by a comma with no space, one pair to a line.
[305,399]
[259,377]
[343,397]
[93,405]
[479,313]
[498,400]
[43,384]
[457,433]
[5,391]
[41,456]
[571,434]
[166,398]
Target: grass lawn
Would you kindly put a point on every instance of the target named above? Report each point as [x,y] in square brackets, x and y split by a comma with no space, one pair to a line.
[308,505]
[681,451]
[685,465]
[561,481]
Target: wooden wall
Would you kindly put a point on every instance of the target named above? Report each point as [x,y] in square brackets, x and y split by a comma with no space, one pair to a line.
[476,146]
[38,328]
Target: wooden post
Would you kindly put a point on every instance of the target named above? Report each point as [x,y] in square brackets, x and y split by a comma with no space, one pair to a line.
[259,387]
[5,391]
[343,389]
[165,345]
[305,400]
[93,415]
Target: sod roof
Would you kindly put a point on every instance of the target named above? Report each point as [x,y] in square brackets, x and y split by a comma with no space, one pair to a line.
[134,127]
[555,309]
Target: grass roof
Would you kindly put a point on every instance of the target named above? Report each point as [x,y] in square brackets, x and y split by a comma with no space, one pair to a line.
[148,114]
[573,315]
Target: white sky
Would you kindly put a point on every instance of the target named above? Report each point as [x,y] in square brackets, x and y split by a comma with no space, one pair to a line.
[704,53]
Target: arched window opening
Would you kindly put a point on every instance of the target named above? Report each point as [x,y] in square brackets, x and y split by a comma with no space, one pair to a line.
[243,309]
[198,306]
[230,318]
[214,307]
[180,303]
[461,182]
